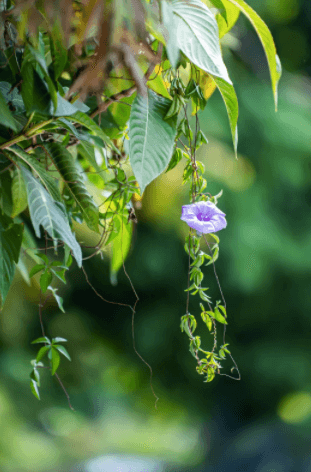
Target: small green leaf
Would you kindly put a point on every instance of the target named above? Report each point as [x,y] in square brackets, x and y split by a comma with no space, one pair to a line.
[34,388]
[45,280]
[59,340]
[44,339]
[58,299]
[55,360]
[42,352]
[63,351]
[35,376]
[120,248]
[219,317]
[37,268]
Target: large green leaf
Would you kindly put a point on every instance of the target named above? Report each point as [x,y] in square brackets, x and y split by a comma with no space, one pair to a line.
[64,162]
[46,212]
[151,138]
[11,236]
[268,44]
[50,184]
[19,193]
[229,96]
[198,37]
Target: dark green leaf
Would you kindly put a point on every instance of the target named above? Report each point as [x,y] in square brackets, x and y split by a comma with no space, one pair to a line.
[64,162]
[6,117]
[11,236]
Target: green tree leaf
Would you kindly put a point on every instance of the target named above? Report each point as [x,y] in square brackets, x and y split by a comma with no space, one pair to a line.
[59,302]
[227,17]
[19,193]
[198,37]
[64,162]
[63,351]
[34,388]
[55,360]
[42,351]
[268,44]
[45,212]
[11,235]
[50,184]
[37,268]
[85,120]
[151,138]
[45,280]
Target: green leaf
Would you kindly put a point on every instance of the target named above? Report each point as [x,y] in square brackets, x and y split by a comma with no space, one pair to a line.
[85,120]
[6,117]
[37,268]
[227,17]
[170,33]
[45,212]
[63,351]
[58,50]
[219,317]
[42,351]
[64,162]
[12,96]
[11,235]
[34,91]
[44,339]
[59,302]
[176,158]
[55,360]
[151,138]
[157,84]
[59,340]
[120,248]
[45,280]
[35,376]
[229,97]
[50,184]
[34,388]
[268,44]
[6,201]
[198,37]
[34,57]
[19,193]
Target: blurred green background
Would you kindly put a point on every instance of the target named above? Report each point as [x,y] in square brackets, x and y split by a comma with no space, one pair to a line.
[260,424]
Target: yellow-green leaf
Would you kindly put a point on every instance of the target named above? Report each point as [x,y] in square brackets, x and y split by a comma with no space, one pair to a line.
[19,193]
[268,44]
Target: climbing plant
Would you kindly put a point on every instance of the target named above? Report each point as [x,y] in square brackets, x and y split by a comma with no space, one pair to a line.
[97,99]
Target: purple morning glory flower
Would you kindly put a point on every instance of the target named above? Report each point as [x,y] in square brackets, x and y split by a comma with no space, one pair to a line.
[205,217]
